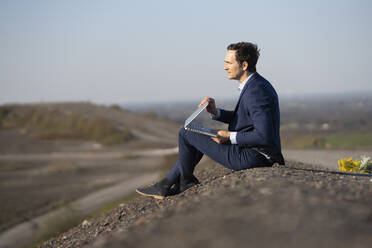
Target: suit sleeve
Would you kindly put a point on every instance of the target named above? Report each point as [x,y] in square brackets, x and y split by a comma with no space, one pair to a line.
[225,116]
[259,103]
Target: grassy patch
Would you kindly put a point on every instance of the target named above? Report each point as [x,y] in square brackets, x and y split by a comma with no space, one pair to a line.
[351,141]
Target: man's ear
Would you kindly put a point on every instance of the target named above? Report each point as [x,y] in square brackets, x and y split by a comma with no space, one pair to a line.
[245,65]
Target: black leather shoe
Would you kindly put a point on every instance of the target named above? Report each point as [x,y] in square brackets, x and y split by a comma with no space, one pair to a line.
[187,183]
[157,191]
[175,189]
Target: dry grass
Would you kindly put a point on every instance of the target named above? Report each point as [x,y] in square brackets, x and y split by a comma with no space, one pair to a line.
[57,224]
[57,124]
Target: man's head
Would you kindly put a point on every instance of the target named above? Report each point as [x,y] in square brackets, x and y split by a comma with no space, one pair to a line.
[241,59]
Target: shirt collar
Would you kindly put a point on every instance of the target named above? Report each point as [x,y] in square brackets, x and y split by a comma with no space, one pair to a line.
[241,85]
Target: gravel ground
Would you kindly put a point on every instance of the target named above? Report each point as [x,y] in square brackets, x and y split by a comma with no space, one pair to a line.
[297,205]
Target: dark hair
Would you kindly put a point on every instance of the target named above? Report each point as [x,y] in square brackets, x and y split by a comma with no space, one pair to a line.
[246,51]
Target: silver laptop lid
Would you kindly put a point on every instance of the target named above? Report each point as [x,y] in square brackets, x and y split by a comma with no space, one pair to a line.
[195,114]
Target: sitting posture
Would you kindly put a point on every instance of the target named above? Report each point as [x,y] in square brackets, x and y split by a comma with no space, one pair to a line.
[252,139]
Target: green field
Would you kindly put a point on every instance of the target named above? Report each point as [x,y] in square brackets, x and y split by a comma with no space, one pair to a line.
[351,141]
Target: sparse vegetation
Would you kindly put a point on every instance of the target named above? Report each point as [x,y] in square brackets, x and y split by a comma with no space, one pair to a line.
[115,107]
[62,222]
[111,205]
[58,224]
[57,124]
[4,111]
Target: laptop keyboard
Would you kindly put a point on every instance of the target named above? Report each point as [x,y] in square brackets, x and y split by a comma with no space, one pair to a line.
[196,126]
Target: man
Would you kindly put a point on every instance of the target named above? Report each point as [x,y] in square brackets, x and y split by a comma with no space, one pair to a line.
[252,139]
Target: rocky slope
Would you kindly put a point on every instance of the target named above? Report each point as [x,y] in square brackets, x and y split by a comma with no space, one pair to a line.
[297,205]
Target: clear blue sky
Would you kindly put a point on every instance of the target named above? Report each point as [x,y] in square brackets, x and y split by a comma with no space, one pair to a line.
[133,51]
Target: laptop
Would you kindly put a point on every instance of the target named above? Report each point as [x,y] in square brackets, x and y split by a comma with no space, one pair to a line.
[198,128]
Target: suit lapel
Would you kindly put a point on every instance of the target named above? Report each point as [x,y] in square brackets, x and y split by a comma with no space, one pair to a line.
[253,77]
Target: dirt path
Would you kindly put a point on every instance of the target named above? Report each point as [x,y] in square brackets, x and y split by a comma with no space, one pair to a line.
[99,155]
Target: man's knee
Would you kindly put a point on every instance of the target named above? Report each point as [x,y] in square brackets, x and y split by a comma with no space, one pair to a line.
[185,136]
[181,132]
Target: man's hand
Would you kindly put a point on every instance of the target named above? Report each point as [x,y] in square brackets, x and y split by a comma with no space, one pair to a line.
[223,137]
[211,108]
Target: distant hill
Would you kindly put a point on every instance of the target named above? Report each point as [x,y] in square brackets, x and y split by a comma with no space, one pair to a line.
[46,123]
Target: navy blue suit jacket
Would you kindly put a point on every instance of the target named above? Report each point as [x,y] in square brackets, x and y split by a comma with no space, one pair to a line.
[256,118]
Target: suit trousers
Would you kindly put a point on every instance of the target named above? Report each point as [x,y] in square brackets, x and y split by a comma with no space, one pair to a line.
[192,146]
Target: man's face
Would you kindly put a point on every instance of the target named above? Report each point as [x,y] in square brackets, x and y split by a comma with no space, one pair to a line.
[232,66]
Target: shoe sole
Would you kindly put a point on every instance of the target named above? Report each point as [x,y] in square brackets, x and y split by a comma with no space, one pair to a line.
[155,196]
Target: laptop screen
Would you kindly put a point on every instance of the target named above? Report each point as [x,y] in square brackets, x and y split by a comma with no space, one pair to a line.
[195,114]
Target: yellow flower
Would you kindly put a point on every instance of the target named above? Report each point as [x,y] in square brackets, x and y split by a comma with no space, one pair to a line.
[348,165]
